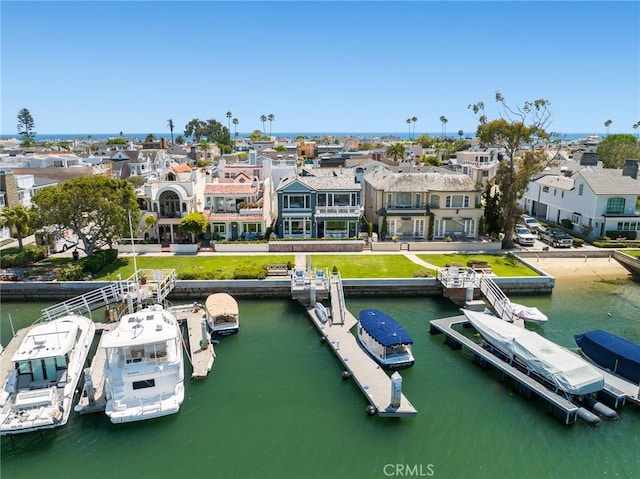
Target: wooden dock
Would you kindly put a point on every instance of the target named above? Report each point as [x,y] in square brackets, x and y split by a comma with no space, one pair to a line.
[96,372]
[201,358]
[562,409]
[372,380]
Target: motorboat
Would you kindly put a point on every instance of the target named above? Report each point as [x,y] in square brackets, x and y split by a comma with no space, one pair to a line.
[384,339]
[222,314]
[529,313]
[144,367]
[611,352]
[47,367]
[563,369]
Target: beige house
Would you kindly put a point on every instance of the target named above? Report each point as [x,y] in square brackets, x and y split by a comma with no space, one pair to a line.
[422,205]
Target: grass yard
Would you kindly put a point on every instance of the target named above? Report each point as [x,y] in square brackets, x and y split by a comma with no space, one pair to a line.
[632,252]
[369,266]
[502,265]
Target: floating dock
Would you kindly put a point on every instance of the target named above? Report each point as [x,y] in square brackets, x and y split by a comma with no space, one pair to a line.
[372,380]
[559,407]
[202,354]
[96,401]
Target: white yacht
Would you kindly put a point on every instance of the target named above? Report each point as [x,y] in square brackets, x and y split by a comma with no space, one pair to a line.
[144,368]
[39,392]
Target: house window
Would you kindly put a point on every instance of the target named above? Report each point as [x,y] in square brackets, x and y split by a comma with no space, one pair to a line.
[296,201]
[403,200]
[457,201]
[575,218]
[545,189]
[252,228]
[615,206]
[220,228]
[296,226]
[418,200]
[580,189]
[434,201]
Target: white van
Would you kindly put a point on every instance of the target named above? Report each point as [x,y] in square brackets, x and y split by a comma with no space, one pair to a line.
[56,240]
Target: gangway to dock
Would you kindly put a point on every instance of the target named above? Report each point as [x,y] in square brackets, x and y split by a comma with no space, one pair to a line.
[499,301]
[338,306]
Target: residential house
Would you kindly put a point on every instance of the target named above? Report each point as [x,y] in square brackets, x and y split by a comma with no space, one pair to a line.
[327,206]
[596,200]
[481,165]
[143,163]
[420,204]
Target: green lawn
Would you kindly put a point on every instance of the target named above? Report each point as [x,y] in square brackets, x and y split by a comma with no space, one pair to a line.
[502,265]
[632,252]
[349,265]
[369,266]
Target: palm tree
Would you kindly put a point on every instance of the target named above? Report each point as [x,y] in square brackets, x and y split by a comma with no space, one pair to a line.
[444,121]
[413,120]
[263,119]
[409,123]
[229,115]
[18,218]
[235,127]
[396,150]
[460,133]
[635,127]
[607,124]
[271,117]
[170,124]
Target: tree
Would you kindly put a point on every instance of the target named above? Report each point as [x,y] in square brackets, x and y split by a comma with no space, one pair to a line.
[235,127]
[170,124]
[635,128]
[492,211]
[18,218]
[194,223]
[95,208]
[414,119]
[395,151]
[150,138]
[63,145]
[26,124]
[443,120]
[518,132]
[229,115]
[263,119]
[409,123]
[181,140]
[211,130]
[607,124]
[271,117]
[615,149]
[460,134]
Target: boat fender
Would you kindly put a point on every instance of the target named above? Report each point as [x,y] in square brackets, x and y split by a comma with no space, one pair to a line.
[371,410]
[323,339]
[345,375]
[588,416]
[599,408]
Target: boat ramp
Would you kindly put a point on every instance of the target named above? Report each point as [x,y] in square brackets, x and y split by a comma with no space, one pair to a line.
[383,392]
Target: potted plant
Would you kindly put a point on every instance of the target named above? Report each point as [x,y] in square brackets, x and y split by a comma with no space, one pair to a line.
[143,279]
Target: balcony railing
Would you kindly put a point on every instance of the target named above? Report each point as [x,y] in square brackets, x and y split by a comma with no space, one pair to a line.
[343,210]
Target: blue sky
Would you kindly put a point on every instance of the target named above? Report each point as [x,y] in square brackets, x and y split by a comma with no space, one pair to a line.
[359,66]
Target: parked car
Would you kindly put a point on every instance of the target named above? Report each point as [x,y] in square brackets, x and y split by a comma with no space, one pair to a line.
[523,236]
[531,223]
[555,237]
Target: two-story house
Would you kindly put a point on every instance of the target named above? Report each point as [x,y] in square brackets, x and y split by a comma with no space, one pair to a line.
[594,199]
[325,206]
[481,165]
[423,204]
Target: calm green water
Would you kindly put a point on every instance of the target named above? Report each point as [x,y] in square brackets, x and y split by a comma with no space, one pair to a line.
[275,406]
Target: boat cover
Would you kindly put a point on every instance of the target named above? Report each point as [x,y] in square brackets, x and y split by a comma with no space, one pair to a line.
[566,370]
[617,354]
[383,328]
[221,304]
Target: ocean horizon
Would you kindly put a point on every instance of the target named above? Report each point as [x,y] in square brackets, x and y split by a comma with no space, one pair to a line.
[289,135]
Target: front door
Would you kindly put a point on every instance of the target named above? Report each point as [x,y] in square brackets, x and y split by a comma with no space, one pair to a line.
[234,231]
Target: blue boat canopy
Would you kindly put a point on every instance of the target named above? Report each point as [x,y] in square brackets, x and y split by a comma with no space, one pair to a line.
[617,354]
[383,328]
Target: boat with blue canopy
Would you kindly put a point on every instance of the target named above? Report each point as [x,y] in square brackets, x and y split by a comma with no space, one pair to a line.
[384,339]
[618,355]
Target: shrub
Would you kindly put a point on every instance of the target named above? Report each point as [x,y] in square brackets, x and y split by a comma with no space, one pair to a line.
[477,262]
[566,223]
[577,242]
[72,272]
[94,263]
[421,273]
[454,263]
[13,258]
[629,235]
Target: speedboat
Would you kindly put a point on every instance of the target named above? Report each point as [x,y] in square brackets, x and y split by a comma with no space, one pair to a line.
[47,366]
[616,354]
[144,367]
[564,370]
[222,314]
[384,339]
[529,313]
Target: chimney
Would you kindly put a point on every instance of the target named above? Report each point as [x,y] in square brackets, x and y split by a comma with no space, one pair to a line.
[630,168]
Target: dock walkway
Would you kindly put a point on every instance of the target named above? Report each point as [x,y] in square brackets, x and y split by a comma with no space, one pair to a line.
[560,408]
[372,380]
[98,401]
[202,353]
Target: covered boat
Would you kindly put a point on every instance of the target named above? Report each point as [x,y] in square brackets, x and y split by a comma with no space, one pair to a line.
[618,355]
[222,314]
[565,370]
[384,339]
[529,313]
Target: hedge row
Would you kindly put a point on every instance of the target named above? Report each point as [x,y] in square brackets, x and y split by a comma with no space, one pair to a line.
[13,258]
